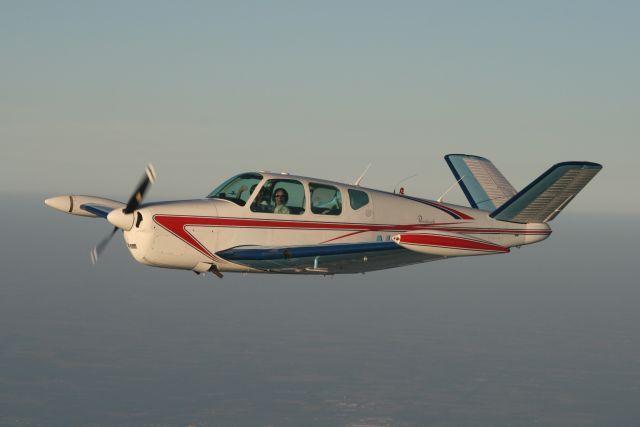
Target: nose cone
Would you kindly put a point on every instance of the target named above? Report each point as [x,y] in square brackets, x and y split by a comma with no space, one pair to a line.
[120,219]
[61,203]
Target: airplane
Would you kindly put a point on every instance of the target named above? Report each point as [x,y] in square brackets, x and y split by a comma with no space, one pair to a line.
[264,222]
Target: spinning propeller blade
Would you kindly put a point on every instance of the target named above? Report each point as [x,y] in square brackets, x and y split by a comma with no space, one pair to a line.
[137,196]
[97,250]
[134,202]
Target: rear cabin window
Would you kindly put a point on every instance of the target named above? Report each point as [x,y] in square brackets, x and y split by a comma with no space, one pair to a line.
[325,199]
[280,196]
[358,199]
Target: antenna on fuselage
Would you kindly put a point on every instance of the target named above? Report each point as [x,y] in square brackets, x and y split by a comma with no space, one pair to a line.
[450,188]
[357,183]
[403,180]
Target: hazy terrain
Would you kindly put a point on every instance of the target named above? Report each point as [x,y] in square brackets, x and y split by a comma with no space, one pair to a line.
[548,335]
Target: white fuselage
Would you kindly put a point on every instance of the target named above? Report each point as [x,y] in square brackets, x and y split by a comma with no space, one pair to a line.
[188,234]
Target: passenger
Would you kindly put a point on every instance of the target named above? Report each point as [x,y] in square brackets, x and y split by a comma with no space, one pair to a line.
[281,197]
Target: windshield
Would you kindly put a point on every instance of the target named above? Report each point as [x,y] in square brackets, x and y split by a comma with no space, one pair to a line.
[237,189]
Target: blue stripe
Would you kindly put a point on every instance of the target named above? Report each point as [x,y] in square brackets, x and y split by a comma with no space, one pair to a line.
[97,210]
[240,253]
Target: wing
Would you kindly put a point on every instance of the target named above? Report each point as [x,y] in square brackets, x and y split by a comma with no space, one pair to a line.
[325,259]
[89,206]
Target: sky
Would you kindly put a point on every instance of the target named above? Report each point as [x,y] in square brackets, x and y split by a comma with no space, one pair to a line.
[92,91]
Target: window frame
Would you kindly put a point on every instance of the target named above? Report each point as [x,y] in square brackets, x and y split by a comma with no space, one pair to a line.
[328,186]
[349,190]
[213,195]
[299,210]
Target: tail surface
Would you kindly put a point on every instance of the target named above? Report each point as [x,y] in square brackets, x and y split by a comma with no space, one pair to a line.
[481,182]
[543,199]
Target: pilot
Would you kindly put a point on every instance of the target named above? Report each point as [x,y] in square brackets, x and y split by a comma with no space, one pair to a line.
[261,202]
[281,197]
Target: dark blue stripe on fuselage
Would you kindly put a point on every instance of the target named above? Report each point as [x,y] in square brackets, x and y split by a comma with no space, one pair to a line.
[239,254]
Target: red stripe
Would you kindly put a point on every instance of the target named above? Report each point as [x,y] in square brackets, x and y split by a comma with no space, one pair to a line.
[176,225]
[462,215]
[440,206]
[172,221]
[450,242]
[473,230]
[343,236]
[166,220]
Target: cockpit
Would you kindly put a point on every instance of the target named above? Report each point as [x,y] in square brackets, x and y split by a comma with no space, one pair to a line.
[237,189]
[286,195]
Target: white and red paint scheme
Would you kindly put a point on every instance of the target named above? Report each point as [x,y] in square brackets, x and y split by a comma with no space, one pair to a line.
[229,233]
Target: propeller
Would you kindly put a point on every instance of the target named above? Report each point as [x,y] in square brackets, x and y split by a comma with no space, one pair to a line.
[137,196]
[97,249]
[119,218]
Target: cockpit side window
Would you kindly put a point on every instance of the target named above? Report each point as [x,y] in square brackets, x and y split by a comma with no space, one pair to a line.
[280,196]
[325,199]
[237,189]
[358,199]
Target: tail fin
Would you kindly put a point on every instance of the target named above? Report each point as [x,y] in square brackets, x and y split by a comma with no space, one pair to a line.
[543,199]
[483,184]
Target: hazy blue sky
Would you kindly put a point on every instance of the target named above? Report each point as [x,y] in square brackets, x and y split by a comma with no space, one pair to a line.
[91,91]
